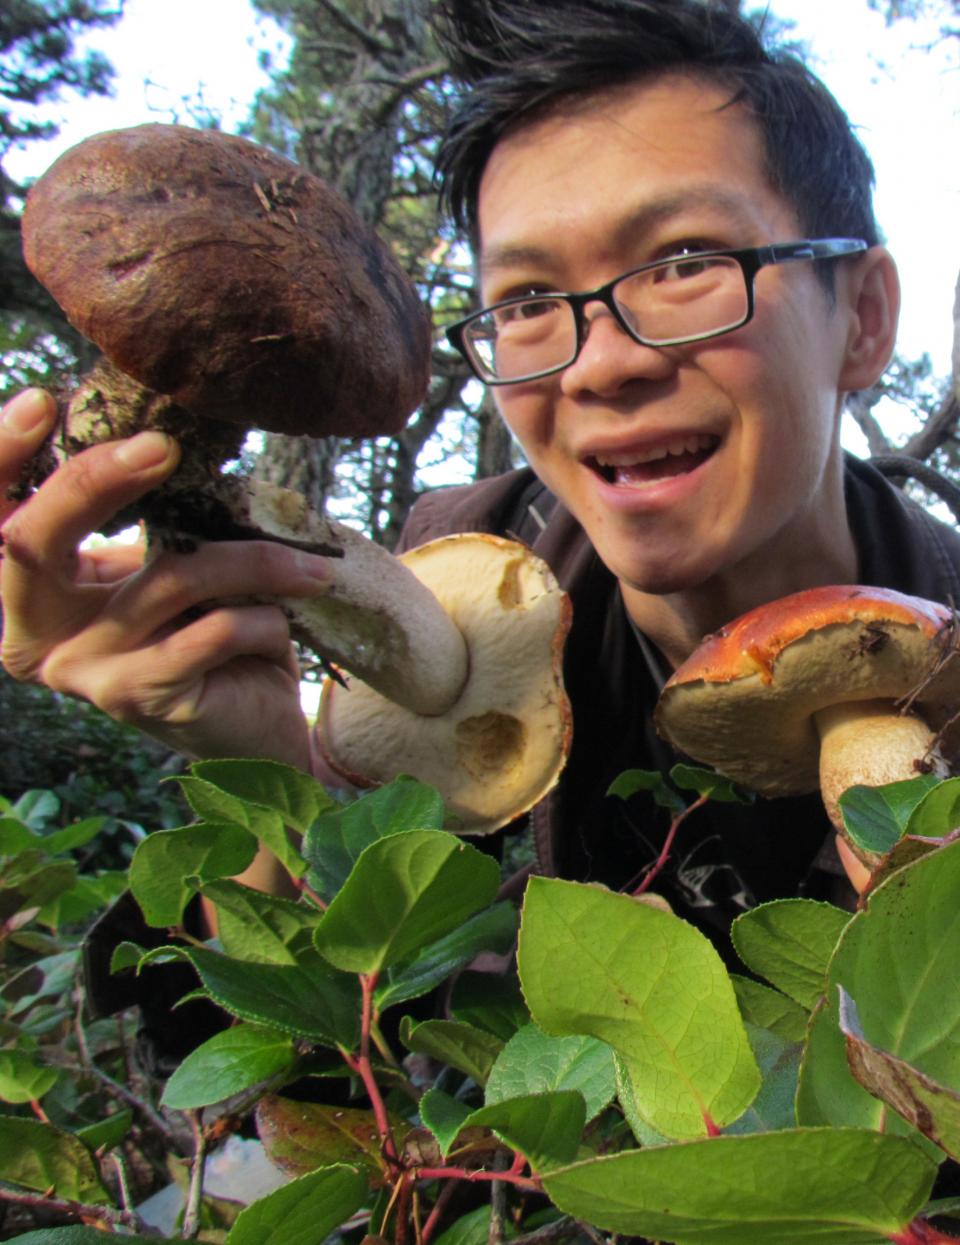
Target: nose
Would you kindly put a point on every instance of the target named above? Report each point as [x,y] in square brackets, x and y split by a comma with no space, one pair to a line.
[610,359]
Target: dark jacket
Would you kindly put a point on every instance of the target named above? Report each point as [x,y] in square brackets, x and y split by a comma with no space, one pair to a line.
[727,856]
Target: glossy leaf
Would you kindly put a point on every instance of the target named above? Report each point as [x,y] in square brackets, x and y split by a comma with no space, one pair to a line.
[938,813]
[252,925]
[304,1211]
[22,1079]
[106,1133]
[767,1008]
[633,780]
[932,1109]
[165,860]
[708,782]
[43,1158]
[545,1128]
[445,1116]
[900,959]
[779,1063]
[74,836]
[468,1049]
[335,841]
[211,803]
[79,1235]
[299,1137]
[790,942]
[473,1228]
[837,1186]
[489,1001]
[308,999]
[875,818]
[494,929]
[16,837]
[298,798]
[404,892]
[533,1062]
[227,1064]
[652,987]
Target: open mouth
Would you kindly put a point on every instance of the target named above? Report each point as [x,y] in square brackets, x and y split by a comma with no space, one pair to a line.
[636,468]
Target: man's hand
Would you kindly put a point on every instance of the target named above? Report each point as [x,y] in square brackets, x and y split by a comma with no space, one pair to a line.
[146,642]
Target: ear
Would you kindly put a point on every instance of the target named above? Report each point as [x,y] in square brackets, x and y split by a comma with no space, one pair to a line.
[871,289]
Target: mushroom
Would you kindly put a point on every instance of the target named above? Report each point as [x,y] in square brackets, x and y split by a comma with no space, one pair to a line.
[827,688]
[501,747]
[228,289]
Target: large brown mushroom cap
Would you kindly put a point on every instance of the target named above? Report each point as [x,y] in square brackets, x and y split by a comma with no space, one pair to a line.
[502,744]
[746,701]
[218,272]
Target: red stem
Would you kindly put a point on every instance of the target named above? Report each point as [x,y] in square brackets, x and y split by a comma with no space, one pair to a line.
[439,1206]
[668,843]
[920,1232]
[461,1173]
[362,1066]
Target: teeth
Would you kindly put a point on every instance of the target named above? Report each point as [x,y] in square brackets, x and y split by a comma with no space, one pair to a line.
[635,458]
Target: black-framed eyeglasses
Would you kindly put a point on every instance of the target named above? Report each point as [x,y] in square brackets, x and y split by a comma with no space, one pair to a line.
[686,298]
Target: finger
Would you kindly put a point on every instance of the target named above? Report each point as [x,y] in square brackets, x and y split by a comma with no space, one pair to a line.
[174,584]
[25,422]
[82,496]
[168,681]
[107,564]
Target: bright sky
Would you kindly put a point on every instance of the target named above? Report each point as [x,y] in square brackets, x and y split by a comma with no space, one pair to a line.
[169,51]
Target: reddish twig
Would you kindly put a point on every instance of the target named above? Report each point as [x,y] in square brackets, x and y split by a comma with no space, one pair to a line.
[664,856]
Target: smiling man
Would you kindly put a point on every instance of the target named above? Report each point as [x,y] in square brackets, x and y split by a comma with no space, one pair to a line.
[680,281]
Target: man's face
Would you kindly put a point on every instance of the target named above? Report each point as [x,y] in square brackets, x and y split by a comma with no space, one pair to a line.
[690,467]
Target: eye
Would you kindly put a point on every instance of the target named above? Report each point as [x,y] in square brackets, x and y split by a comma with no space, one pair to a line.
[536,306]
[687,261]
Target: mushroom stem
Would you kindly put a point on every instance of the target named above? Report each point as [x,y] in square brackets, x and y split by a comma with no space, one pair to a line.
[869,743]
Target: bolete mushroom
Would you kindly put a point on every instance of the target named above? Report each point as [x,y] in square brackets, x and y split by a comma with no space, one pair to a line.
[230,290]
[501,746]
[827,688]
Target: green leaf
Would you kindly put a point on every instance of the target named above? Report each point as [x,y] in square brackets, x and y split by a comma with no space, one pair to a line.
[938,813]
[494,929]
[43,1158]
[470,1050]
[533,1062]
[649,985]
[15,837]
[72,837]
[299,1137]
[308,999]
[32,880]
[35,808]
[255,926]
[298,798]
[215,805]
[304,1211]
[22,1079]
[165,860]
[900,959]
[545,1128]
[838,1186]
[708,782]
[77,1235]
[489,1001]
[473,1228]
[633,780]
[106,1133]
[932,1109]
[445,1116]
[88,894]
[405,892]
[875,818]
[790,942]
[779,1063]
[334,842]
[227,1064]
[769,1009]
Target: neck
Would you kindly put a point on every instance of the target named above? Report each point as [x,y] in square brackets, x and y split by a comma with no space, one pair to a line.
[678,621]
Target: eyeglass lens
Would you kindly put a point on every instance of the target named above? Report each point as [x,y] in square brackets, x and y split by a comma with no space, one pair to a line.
[673,301]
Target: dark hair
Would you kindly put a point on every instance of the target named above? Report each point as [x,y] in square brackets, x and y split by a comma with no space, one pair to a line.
[517,58]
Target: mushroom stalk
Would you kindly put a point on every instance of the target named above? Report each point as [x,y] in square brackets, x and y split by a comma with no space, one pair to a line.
[869,743]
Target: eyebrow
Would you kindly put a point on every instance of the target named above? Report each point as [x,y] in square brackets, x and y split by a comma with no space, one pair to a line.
[647,217]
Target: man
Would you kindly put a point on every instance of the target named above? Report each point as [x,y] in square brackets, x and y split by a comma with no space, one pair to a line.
[679,262]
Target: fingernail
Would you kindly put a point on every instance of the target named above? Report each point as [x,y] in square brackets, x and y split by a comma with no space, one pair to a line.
[314,567]
[26,411]
[146,449]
